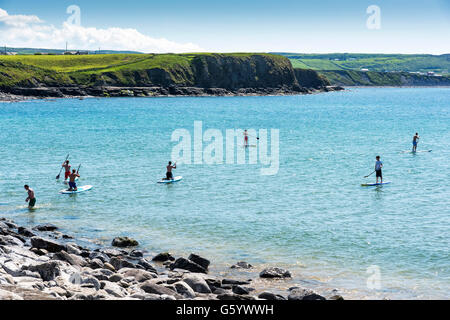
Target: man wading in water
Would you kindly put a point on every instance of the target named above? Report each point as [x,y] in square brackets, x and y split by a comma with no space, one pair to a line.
[169,175]
[72,177]
[31,199]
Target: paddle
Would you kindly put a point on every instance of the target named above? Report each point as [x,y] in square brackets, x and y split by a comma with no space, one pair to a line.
[78,170]
[368,175]
[57,177]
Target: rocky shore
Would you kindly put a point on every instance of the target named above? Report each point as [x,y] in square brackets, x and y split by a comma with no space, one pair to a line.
[42,263]
[23,93]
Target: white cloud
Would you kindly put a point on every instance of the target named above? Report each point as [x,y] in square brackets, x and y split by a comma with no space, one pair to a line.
[30,31]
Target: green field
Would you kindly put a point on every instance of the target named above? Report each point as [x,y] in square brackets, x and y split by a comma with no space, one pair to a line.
[373,62]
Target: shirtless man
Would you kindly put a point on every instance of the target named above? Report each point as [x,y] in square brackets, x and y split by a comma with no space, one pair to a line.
[72,177]
[31,199]
[66,167]
[415,142]
[169,175]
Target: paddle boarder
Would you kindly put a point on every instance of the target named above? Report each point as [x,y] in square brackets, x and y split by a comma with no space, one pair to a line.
[169,175]
[378,166]
[66,167]
[415,142]
[31,199]
[72,177]
[245,138]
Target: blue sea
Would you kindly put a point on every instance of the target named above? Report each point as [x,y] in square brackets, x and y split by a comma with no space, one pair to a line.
[311,217]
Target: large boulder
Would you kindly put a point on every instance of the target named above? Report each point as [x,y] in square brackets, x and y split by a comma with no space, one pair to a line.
[163,257]
[184,289]
[182,263]
[197,283]
[49,245]
[274,272]
[199,260]
[124,242]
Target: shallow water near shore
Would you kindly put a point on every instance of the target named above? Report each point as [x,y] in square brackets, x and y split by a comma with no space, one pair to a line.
[312,218]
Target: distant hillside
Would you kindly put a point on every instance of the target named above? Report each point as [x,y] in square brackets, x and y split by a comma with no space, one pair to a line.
[154,74]
[373,62]
[21,51]
[375,78]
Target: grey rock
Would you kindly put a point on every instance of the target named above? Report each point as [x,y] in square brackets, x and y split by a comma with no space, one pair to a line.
[184,289]
[234,282]
[10,241]
[98,255]
[124,242]
[96,264]
[146,265]
[182,263]
[101,274]
[150,287]
[137,274]
[45,227]
[197,283]
[274,272]
[304,294]
[72,259]
[232,296]
[25,232]
[119,263]
[240,290]
[270,296]
[199,260]
[108,266]
[70,248]
[136,254]
[49,245]
[112,252]
[241,265]
[115,278]
[163,257]
[47,270]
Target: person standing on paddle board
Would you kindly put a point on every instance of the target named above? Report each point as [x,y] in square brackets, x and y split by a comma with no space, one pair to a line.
[245,138]
[31,199]
[66,167]
[378,166]
[169,175]
[72,177]
[415,142]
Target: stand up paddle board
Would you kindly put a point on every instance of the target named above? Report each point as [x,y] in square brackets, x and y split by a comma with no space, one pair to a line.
[79,189]
[176,179]
[374,184]
[416,151]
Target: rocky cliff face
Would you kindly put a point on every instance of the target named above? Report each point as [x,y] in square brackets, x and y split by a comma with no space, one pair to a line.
[195,74]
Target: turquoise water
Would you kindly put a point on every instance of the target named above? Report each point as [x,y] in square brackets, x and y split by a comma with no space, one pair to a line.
[313,217]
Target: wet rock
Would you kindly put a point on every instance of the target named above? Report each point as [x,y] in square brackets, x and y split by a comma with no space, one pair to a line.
[112,252]
[45,227]
[70,248]
[49,245]
[163,257]
[101,274]
[274,272]
[98,255]
[119,263]
[10,241]
[25,232]
[270,296]
[136,254]
[184,289]
[182,263]
[137,274]
[47,270]
[146,265]
[96,264]
[150,287]
[241,290]
[197,283]
[241,265]
[115,278]
[234,282]
[72,259]
[124,242]
[304,294]
[199,260]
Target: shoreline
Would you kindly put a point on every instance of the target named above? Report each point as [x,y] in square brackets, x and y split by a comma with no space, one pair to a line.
[42,263]
[17,94]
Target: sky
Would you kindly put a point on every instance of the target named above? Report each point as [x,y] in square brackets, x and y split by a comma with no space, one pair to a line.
[325,26]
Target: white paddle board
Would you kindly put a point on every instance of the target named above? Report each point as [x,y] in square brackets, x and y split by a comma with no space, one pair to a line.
[176,179]
[79,189]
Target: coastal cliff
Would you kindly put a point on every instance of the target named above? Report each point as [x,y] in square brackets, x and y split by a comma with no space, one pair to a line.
[155,75]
